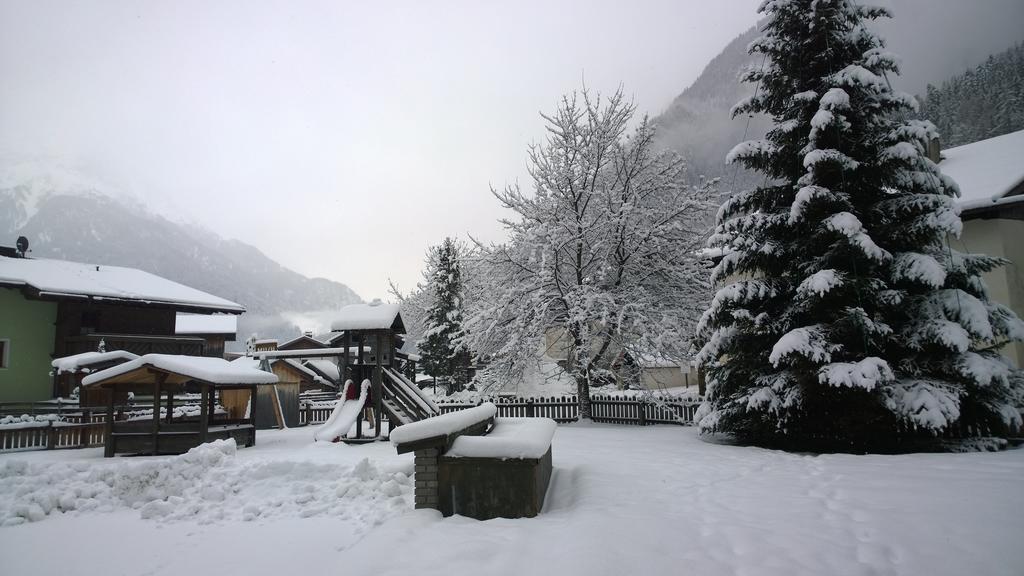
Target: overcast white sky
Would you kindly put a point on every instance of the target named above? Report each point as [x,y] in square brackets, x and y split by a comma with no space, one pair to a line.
[340,138]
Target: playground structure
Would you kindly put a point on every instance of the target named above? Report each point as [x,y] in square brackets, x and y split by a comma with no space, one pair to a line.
[368,339]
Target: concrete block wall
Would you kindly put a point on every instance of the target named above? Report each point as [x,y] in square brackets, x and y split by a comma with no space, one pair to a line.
[426,464]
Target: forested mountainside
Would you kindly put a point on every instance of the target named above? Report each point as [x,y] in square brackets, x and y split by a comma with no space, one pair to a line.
[983,102]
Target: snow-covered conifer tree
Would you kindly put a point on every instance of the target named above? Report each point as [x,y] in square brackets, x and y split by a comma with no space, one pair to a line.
[443,352]
[842,313]
[602,254]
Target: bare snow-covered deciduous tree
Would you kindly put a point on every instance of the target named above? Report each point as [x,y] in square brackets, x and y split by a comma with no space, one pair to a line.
[844,315]
[605,251]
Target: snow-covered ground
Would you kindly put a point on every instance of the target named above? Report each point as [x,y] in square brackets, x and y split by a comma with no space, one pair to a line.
[623,500]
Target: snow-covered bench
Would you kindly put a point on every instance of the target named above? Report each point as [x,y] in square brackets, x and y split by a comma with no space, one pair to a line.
[470,464]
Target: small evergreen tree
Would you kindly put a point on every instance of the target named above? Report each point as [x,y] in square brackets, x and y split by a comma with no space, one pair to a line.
[443,354]
[844,316]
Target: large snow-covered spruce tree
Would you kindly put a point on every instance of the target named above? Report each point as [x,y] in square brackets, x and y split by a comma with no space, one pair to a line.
[842,314]
[444,354]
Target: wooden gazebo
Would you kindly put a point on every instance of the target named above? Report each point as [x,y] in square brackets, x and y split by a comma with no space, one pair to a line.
[163,376]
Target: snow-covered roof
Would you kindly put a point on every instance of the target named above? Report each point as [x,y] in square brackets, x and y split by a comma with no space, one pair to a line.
[81,361]
[284,345]
[205,323]
[373,316]
[987,171]
[326,367]
[212,370]
[65,279]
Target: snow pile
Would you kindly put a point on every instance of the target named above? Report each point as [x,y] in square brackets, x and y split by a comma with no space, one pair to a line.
[443,425]
[207,484]
[867,373]
[511,438]
[26,420]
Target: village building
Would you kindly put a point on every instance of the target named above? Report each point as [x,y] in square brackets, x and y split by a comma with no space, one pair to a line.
[990,174]
[58,308]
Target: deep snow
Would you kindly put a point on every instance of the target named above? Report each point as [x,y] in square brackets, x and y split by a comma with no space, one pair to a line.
[623,500]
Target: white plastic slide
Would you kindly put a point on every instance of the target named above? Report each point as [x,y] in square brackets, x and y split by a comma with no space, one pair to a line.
[344,414]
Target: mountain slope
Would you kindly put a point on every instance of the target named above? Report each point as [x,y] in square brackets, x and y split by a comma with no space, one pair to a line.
[936,40]
[85,225]
[984,102]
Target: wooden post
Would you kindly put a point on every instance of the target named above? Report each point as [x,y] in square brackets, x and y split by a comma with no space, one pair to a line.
[51,437]
[530,408]
[170,404]
[204,407]
[108,427]
[212,411]
[378,382]
[83,438]
[346,343]
[160,379]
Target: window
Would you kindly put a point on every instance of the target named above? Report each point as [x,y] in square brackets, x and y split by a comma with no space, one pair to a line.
[5,352]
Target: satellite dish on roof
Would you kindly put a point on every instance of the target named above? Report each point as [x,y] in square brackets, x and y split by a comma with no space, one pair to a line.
[22,245]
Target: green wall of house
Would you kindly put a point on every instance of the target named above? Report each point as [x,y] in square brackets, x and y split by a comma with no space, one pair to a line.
[28,326]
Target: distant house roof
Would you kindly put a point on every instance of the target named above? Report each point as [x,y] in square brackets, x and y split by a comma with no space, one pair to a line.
[325,368]
[64,280]
[989,172]
[180,369]
[373,316]
[205,324]
[303,341]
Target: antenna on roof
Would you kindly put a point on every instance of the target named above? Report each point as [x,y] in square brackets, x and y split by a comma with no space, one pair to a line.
[22,246]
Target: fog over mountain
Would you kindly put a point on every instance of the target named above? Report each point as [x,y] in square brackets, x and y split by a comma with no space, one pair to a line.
[935,39]
[67,215]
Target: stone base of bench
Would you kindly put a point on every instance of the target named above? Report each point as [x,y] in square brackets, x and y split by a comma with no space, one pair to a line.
[485,488]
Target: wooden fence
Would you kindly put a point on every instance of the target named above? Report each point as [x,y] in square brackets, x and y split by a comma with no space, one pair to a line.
[71,426]
[609,409]
[85,428]
[633,411]
[51,435]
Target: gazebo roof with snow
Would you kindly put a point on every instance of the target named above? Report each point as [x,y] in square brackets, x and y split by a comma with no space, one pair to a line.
[86,360]
[176,369]
[990,172]
[373,316]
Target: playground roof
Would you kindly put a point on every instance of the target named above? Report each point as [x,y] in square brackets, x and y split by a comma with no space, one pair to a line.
[179,369]
[373,316]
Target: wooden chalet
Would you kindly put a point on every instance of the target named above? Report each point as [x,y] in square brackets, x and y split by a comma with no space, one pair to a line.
[57,308]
